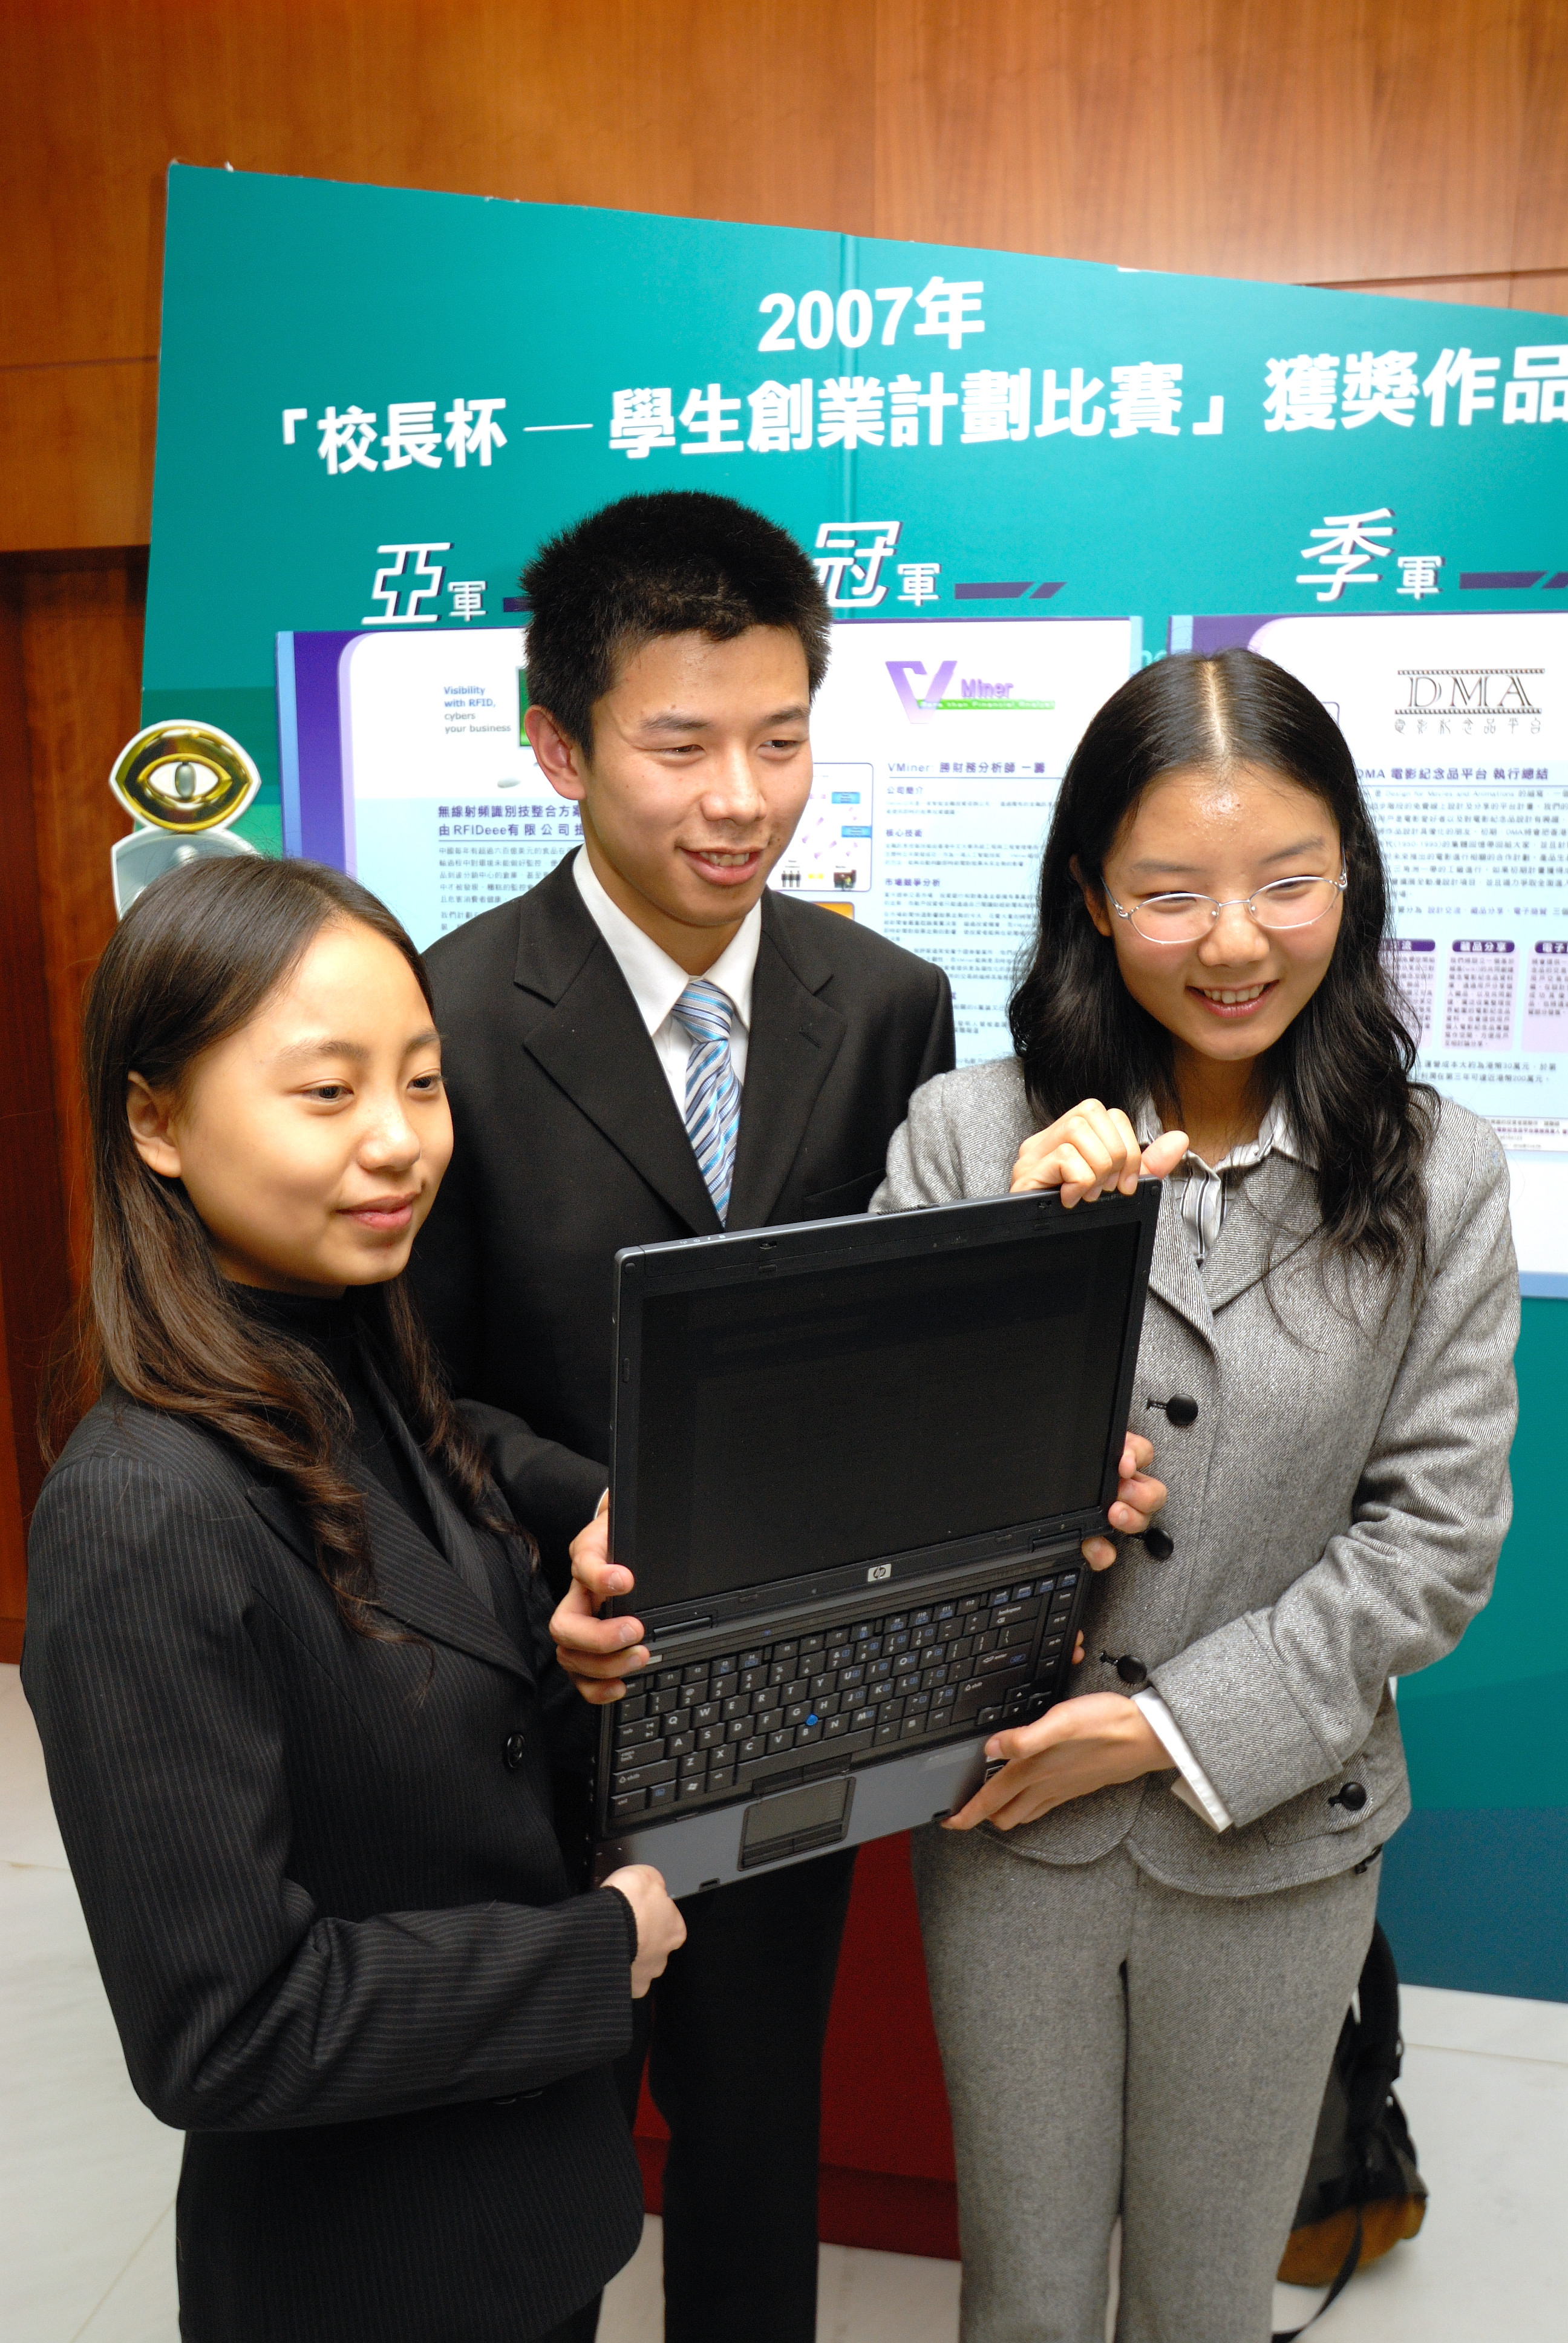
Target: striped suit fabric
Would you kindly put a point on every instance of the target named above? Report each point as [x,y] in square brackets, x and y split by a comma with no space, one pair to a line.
[322,1881]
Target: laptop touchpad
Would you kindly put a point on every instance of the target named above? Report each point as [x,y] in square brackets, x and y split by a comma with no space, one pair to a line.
[797,1821]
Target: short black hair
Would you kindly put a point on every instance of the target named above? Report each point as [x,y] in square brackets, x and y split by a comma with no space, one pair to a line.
[680,563]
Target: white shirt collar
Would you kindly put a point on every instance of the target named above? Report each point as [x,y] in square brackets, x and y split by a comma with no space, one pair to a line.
[1275,1137]
[657,981]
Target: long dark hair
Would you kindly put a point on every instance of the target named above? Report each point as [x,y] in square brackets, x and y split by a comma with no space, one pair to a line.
[193,960]
[1342,1069]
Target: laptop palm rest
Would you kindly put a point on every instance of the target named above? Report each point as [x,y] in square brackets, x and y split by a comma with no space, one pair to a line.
[847,1810]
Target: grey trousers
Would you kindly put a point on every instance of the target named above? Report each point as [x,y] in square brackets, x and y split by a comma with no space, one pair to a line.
[1113,2045]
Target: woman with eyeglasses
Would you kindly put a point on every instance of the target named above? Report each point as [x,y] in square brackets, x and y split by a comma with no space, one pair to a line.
[1143,1932]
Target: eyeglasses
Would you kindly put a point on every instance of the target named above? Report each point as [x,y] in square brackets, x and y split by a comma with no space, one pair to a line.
[1282,904]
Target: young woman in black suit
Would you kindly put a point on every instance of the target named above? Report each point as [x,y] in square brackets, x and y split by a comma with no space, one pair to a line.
[289,1660]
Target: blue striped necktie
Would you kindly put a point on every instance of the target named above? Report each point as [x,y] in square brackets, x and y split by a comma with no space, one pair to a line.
[712,1091]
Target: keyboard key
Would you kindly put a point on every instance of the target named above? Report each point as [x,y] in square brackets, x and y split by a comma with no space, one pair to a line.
[814,1643]
[992,1663]
[755,1658]
[667,1697]
[916,1701]
[872,1647]
[692,1785]
[704,1712]
[944,1696]
[920,1618]
[930,1676]
[861,1718]
[783,1737]
[785,1651]
[795,1689]
[968,1602]
[750,1678]
[746,1752]
[1008,1612]
[987,1639]
[661,1795]
[899,1643]
[709,1736]
[780,1672]
[840,1654]
[806,1734]
[737,1704]
[961,1647]
[640,1730]
[695,1762]
[828,1703]
[721,1777]
[679,1745]
[866,1628]
[849,1677]
[631,1802]
[887,1709]
[1017,1638]
[827,1681]
[739,1728]
[695,1672]
[634,1705]
[1022,1593]
[798,1711]
[835,1725]
[987,1717]
[886,1735]
[643,1777]
[913,1726]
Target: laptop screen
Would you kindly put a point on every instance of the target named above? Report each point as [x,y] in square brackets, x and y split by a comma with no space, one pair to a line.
[792,1424]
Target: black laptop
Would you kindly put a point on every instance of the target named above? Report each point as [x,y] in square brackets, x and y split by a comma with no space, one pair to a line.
[852,1464]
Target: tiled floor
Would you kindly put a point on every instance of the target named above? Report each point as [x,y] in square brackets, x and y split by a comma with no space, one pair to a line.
[88,2176]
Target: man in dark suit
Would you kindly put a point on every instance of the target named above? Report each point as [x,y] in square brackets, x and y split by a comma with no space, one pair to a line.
[649,1046]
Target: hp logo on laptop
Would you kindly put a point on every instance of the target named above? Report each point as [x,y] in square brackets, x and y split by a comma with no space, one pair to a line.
[879,1570]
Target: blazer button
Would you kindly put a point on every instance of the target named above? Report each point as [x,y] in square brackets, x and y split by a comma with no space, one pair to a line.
[1131,1671]
[1179,1408]
[1352,1797]
[514,1749]
[1159,1545]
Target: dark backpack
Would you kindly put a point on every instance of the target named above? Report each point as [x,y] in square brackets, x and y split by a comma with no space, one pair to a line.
[1362,2192]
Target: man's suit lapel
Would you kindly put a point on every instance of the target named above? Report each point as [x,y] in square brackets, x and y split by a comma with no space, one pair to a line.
[591,1041]
[414,1584]
[795,1038]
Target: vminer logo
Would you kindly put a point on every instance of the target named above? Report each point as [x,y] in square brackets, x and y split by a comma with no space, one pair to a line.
[1469,691]
[920,699]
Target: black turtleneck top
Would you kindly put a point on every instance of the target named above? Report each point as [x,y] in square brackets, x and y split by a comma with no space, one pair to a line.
[329,1329]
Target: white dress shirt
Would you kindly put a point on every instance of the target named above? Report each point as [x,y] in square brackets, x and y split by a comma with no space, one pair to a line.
[657,981]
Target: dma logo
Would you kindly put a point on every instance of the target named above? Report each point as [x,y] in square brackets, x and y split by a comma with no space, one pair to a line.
[921,696]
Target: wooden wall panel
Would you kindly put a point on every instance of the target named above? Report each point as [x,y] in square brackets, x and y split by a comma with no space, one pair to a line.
[34,1289]
[76,453]
[82,656]
[1345,141]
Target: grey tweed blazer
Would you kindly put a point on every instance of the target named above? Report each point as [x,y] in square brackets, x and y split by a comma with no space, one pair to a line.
[1337,1506]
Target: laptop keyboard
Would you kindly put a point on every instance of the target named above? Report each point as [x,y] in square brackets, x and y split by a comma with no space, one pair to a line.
[763,1715]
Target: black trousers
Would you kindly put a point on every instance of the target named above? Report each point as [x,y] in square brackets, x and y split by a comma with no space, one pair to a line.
[732,2034]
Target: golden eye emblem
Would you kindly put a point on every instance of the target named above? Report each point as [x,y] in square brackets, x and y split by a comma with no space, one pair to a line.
[184,776]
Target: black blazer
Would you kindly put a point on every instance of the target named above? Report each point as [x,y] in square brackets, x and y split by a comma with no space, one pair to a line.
[325,1895]
[569,1145]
